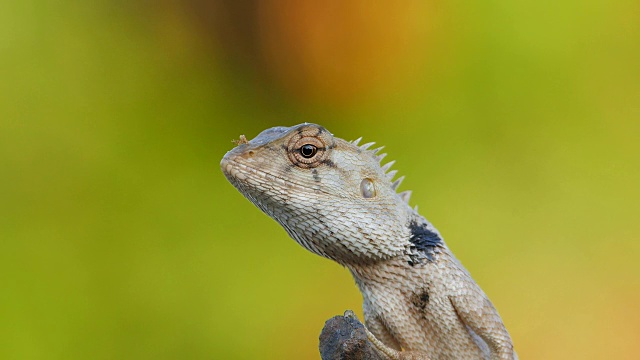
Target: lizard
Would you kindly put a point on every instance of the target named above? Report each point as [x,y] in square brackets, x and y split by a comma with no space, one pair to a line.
[334,198]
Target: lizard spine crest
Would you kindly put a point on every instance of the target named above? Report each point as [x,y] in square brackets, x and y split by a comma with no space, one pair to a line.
[404,195]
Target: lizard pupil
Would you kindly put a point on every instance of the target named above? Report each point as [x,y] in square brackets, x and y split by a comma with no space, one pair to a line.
[308,150]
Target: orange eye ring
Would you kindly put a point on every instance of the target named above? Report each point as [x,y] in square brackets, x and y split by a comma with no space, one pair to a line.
[306,151]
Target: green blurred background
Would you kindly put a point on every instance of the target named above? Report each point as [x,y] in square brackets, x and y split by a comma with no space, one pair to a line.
[516,124]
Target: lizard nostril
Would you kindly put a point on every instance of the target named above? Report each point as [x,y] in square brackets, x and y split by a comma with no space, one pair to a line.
[250,153]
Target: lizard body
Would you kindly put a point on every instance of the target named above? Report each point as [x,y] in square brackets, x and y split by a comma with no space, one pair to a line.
[335,199]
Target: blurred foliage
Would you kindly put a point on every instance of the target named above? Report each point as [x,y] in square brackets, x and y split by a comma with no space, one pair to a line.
[517,125]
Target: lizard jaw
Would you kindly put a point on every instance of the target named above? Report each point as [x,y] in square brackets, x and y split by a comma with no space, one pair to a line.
[238,172]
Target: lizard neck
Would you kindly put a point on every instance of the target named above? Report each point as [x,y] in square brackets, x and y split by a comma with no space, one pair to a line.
[422,246]
[379,272]
[410,240]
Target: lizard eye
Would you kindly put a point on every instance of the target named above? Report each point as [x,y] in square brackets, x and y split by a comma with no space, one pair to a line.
[308,150]
[367,189]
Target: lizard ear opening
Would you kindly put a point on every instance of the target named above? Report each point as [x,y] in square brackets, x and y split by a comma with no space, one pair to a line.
[367,188]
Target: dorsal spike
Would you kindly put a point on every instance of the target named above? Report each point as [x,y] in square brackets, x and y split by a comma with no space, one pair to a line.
[405,195]
[357,141]
[367,145]
[388,165]
[381,156]
[375,151]
[415,208]
[397,183]
[391,174]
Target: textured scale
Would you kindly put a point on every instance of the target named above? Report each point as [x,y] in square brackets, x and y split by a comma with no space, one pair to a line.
[419,301]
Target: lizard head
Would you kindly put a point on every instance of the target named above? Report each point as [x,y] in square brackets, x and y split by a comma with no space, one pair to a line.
[330,195]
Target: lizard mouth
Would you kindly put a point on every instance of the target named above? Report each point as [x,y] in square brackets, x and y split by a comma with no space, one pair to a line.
[243,172]
[238,172]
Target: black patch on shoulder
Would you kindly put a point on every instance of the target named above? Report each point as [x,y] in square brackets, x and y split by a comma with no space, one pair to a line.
[316,177]
[423,243]
[329,163]
[285,147]
[420,299]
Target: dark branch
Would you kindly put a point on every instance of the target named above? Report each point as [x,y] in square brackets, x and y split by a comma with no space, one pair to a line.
[344,338]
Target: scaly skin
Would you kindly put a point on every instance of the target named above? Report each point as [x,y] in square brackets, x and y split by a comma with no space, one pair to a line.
[335,199]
